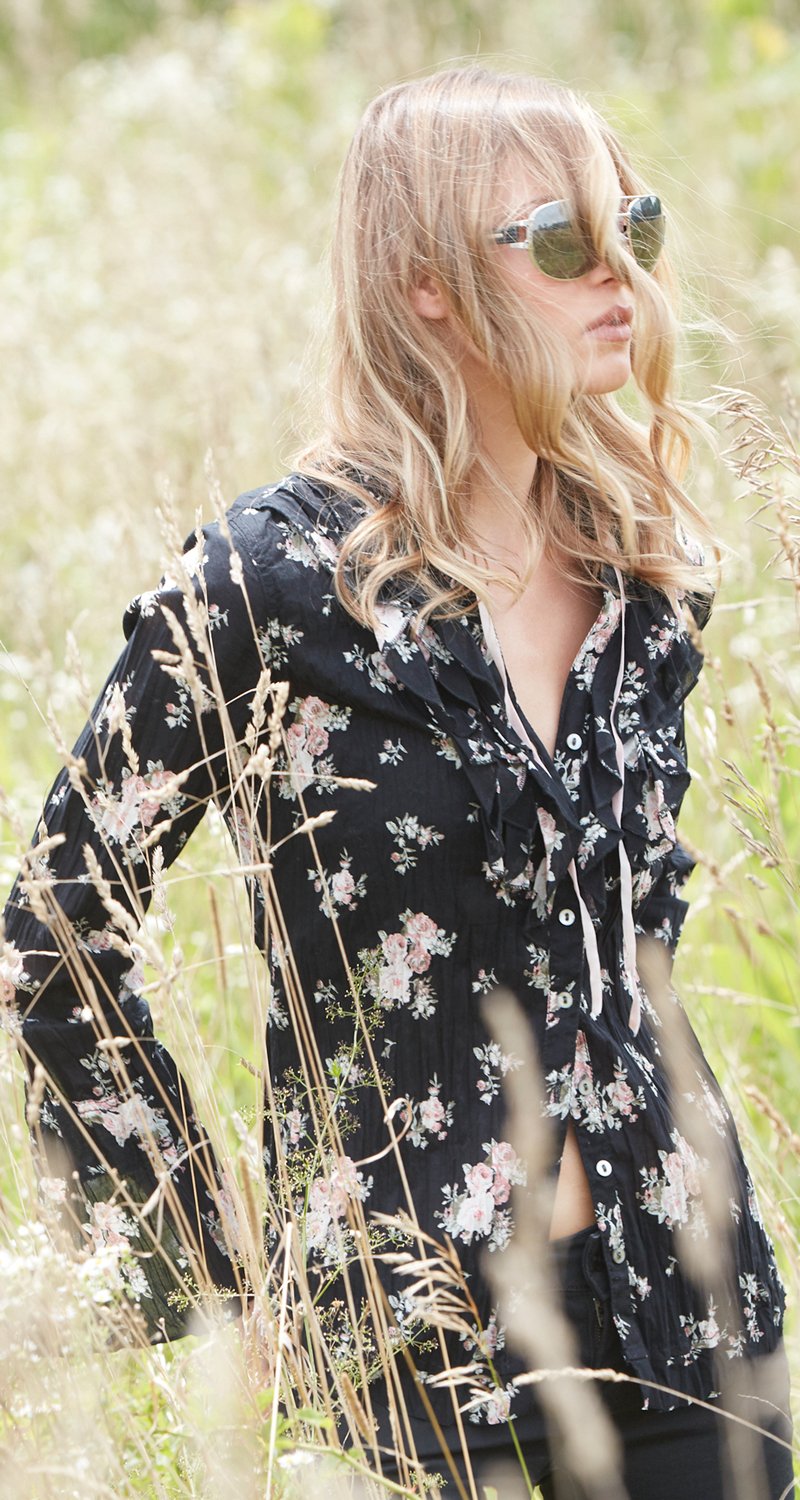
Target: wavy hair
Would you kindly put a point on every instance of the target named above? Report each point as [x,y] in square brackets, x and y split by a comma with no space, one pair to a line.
[417,197]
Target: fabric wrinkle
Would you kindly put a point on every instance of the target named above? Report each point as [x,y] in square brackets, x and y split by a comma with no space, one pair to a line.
[476,861]
[626,878]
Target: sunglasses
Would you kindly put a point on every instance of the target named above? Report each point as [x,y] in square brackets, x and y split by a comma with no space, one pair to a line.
[559,248]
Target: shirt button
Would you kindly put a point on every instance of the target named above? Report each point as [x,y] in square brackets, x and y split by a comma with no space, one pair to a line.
[564,1000]
[574,741]
[566,917]
[604,1168]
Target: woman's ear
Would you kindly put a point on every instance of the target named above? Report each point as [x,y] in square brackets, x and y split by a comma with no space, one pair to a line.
[428,299]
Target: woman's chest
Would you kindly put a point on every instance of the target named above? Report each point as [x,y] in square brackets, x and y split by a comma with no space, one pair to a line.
[414,746]
[539,639]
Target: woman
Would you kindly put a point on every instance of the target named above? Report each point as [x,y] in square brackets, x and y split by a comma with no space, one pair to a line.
[479,587]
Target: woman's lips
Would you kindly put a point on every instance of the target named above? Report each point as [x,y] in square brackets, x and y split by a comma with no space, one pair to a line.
[617,333]
[614,326]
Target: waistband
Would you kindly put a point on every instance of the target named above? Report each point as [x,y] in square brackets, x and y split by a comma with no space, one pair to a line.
[578,1258]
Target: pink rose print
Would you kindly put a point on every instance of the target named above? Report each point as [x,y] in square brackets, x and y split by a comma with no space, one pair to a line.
[401,956]
[53,1189]
[225,1226]
[479,1178]
[313,711]
[111,1225]
[431,1114]
[421,931]
[474,1216]
[124,1118]
[657,814]
[99,939]
[343,888]
[328,1198]
[429,1118]
[395,948]
[574,1090]
[307,739]
[673,1193]
[316,739]
[475,1211]
[343,892]
[11,972]
[585,664]
[504,1155]
[134,808]
[497,1407]
[395,986]
[296,738]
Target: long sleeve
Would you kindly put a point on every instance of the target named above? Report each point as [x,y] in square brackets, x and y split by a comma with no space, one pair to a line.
[662,910]
[110,1119]
[662,913]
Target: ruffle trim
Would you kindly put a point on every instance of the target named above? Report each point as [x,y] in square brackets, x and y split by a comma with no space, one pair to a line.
[460,691]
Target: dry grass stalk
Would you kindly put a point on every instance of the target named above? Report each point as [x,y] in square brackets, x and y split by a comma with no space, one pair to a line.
[704,1244]
[583,1438]
[188,91]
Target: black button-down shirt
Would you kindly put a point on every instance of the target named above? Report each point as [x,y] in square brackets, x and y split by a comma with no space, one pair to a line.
[477,859]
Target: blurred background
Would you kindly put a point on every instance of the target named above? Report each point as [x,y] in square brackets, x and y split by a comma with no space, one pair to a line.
[166,178]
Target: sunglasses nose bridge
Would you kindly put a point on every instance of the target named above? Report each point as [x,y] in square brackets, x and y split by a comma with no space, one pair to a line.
[612,246]
[563,247]
[610,238]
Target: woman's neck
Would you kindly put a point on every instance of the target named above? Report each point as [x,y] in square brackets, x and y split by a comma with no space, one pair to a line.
[498,534]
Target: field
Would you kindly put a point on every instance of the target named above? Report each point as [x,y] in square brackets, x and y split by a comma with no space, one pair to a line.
[166,180]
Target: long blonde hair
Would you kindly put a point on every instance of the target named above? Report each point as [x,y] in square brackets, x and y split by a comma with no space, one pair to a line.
[415,199]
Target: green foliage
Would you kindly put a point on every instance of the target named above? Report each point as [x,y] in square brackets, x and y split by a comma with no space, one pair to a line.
[91,28]
[166,172]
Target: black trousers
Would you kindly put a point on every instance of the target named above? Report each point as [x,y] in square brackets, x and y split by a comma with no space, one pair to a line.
[691,1452]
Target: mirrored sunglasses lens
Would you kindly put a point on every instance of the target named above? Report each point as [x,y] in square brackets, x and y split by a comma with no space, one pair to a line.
[556,245]
[646,230]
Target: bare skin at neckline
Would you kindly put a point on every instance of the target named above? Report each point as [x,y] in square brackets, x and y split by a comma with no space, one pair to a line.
[556,615]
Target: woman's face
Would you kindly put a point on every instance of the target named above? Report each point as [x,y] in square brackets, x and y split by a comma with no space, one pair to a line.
[593,314]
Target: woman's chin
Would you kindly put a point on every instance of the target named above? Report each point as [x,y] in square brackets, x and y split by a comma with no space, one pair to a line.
[610,373]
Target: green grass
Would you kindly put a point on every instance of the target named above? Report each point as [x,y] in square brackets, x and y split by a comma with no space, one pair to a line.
[165,183]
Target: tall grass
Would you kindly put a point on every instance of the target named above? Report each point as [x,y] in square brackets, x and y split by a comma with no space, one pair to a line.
[164,209]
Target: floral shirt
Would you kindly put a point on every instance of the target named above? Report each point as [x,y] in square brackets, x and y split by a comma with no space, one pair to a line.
[477,859]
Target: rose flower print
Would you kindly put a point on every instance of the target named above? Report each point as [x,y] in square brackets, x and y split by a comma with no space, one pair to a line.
[475,1212]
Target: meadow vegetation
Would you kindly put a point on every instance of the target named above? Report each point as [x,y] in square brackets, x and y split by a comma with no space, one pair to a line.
[166,177]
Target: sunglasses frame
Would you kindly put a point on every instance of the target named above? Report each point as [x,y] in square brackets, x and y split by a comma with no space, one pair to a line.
[510,235]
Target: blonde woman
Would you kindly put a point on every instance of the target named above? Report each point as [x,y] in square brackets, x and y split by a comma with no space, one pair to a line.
[480,588]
